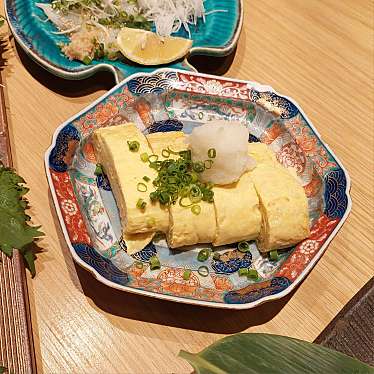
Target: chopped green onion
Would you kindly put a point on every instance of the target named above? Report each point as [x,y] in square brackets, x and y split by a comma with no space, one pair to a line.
[185,205]
[99,169]
[252,273]
[144,157]
[165,153]
[171,168]
[99,51]
[164,198]
[152,158]
[194,177]
[185,154]
[147,179]
[172,180]
[153,196]
[154,263]
[203,255]
[163,179]
[196,199]
[184,191]
[155,165]
[273,255]
[141,204]
[212,153]
[158,236]
[196,209]
[87,60]
[150,221]
[243,247]
[139,265]
[141,187]
[203,271]
[198,167]
[195,192]
[208,164]
[216,256]
[182,168]
[172,152]
[243,272]
[178,180]
[173,190]
[186,274]
[208,195]
[133,145]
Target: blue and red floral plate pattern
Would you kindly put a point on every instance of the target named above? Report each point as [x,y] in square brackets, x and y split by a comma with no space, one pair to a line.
[169,100]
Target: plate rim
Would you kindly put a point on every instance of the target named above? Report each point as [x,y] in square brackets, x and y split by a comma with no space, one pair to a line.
[86,72]
[179,299]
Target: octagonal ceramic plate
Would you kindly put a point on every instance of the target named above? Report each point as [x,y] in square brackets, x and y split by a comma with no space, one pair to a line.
[216,37]
[175,100]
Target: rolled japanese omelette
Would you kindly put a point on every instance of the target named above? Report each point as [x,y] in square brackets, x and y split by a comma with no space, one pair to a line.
[125,170]
[283,203]
[237,211]
[267,204]
[185,228]
[216,223]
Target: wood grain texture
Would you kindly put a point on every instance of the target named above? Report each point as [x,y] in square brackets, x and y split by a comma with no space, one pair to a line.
[352,330]
[16,338]
[318,52]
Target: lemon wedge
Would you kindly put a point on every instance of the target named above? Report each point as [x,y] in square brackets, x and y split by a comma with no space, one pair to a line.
[147,48]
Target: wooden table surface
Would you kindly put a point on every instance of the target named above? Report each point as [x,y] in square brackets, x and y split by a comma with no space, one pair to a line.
[318,52]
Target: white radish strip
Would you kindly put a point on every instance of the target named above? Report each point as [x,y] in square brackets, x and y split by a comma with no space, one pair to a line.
[76,28]
[216,11]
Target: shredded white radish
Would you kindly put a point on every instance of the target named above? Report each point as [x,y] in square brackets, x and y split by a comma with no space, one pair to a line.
[62,21]
[170,15]
[68,31]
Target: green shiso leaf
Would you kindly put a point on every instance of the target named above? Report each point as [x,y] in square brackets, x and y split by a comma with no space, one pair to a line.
[29,257]
[265,353]
[15,231]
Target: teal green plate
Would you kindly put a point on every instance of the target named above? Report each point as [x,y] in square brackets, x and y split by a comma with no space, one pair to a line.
[216,37]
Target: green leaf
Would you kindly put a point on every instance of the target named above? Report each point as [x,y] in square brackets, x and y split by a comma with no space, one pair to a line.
[15,231]
[3,369]
[7,249]
[265,353]
[30,257]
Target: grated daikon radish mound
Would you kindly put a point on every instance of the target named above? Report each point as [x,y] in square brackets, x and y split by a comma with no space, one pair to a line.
[230,141]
